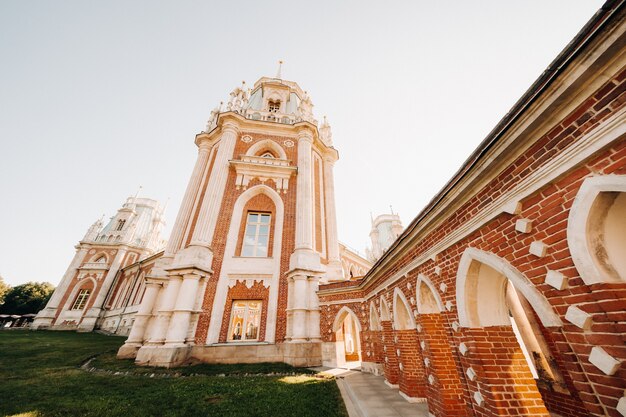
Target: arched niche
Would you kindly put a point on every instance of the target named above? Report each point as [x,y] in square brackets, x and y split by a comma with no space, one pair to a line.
[385,315]
[266,145]
[596,229]
[374,319]
[402,317]
[341,316]
[428,299]
[481,291]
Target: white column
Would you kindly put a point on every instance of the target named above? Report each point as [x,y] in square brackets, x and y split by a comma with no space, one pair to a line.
[313,320]
[184,213]
[144,313]
[108,280]
[331,215]
[179,323]
[165,310]
[209,212]
[299,310]
[304,197]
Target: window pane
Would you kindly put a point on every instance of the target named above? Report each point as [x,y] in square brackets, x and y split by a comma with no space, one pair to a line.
[265,218]
[250,230]
[261,251]
[253,217]
[264,230]
[247,251]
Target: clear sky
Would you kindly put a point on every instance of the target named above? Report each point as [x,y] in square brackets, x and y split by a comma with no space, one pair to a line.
[97,98]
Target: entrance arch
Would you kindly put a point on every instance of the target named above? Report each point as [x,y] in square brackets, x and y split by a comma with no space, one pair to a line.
[347,330]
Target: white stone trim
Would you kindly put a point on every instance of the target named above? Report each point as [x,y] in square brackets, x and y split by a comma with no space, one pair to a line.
[385,313]
[341,315]
[421,278]
[538,248]
[578,317]
[467,290]
[374,318]
[577,225]
[556,280]
[266,143]
[342,302]
[603,361]
[231,266]
[398,294]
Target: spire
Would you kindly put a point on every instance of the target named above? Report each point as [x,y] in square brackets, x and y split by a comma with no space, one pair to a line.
[138,191]
[280,65]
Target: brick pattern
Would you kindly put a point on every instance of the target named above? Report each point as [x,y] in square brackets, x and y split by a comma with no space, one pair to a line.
[445,393]
[411,378]
[392,371]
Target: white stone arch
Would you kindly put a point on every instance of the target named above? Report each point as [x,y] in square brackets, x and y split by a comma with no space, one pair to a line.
[341,315]
[100,255]
[428,299]
[374,319]
[385,314]
[596,229]
[482,302]
[266,144]
[402,317]
[231,263]
[80,284]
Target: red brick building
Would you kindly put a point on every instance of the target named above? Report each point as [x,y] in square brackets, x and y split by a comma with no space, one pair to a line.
[506,295]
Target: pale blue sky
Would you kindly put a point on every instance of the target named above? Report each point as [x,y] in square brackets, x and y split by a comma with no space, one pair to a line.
[97,98]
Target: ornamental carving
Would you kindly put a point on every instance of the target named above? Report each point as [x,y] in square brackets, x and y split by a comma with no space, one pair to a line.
[246,139]
[288,143]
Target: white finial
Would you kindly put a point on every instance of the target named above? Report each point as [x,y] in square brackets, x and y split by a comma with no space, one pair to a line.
[391,208]
[138,190]
[280,65]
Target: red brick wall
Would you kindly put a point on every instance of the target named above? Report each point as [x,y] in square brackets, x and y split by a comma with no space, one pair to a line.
[392,371]
[412,379]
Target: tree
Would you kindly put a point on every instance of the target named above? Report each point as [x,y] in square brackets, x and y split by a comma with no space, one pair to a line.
[4,289]
[27,298]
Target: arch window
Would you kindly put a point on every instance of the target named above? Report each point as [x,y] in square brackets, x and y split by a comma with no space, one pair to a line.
[81,299]
[120,225]
[245,320]
[267,155]
[257,234]
[273,106]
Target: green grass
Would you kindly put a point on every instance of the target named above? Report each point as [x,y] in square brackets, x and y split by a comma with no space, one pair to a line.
[40,376]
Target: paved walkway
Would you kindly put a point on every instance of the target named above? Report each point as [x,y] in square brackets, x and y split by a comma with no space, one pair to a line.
[367,395]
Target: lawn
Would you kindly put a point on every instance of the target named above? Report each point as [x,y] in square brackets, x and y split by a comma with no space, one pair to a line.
[41,376]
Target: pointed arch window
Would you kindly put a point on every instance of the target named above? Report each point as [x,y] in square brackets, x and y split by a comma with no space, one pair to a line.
[81,299]
[273,106]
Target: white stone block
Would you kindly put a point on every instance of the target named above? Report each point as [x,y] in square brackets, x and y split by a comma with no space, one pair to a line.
[478,398]
[603,361]
[398,352]
[418,327]
[385,349]
[412,300]
[433,257]
[431,379]
[621,406]
[401,366]
[471,374]
[463,348]
[556,280]
[449,305]
[538,248]
[427,362]
[578,317]
[443,287]
[409,286]
[524,225]
[437,270]
[456,326]
[423,345]
[512,207]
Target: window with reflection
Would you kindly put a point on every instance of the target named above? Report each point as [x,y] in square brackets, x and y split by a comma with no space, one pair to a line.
[81,299]
[245,319]
[257,235]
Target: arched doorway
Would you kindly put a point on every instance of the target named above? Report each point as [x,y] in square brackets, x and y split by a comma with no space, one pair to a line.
[347,330]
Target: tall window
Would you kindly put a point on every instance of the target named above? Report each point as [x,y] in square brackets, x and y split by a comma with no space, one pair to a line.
[81,299]
[257,235]
[244,320]
[274,106]
[120,225]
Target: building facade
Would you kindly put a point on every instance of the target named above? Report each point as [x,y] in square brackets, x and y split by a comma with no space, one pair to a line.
[506,295]
[132,234]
